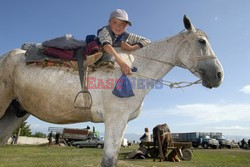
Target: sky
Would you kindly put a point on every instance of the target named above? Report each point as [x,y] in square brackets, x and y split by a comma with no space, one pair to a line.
[225,109]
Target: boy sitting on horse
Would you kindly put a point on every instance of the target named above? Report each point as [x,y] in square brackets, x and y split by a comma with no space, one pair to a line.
[114,35]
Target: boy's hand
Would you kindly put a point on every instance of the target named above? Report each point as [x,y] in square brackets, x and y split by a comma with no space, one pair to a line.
[125,69]
[128,47]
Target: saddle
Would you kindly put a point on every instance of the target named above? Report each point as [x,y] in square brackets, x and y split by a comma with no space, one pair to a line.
[67,52]
[35,54]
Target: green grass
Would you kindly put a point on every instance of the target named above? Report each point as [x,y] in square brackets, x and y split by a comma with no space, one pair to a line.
[44,156]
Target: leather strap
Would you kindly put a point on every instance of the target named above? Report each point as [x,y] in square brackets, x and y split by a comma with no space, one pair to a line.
[82,77]
[79,58]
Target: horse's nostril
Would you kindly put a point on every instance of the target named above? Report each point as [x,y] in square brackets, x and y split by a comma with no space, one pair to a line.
[219,75]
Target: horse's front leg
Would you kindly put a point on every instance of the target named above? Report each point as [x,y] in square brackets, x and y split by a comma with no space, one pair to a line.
[160,146]
[165,150]
[115,127]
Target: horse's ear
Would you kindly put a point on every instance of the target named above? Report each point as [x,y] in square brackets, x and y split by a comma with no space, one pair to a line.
[187,23]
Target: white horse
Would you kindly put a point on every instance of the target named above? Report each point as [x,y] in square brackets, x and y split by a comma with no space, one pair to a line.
[48,93]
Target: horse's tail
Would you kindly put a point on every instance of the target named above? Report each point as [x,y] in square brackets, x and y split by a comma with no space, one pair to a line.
[2,58]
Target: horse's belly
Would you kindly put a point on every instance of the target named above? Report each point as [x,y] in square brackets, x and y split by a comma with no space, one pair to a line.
[49,94]
[54,112]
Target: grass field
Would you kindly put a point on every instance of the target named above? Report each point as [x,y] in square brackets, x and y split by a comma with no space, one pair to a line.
[54,156]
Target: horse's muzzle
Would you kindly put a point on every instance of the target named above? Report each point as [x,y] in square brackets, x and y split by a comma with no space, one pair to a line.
[212,81]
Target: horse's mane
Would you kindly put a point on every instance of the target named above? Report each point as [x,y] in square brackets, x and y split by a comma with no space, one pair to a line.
[198,31]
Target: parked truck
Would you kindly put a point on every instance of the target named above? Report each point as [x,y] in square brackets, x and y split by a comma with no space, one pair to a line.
[70,135]
[197,138]
[224,142]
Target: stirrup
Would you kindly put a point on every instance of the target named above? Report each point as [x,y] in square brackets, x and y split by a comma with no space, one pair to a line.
[90,98]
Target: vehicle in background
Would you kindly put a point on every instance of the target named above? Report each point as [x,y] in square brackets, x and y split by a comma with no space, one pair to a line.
[207,142]
[197,138]
[235,145]
[70,135]
[224,143]
[89,142]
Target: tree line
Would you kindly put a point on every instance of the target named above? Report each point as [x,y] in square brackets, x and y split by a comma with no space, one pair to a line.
[24,130]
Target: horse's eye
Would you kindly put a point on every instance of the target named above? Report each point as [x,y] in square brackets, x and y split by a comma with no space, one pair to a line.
[202,41]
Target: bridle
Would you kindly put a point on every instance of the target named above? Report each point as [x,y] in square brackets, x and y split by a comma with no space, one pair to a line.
[194,57]
[193,68]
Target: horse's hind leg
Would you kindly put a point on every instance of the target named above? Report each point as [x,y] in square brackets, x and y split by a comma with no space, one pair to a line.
[6,94]
[5,100]
[6,81]
[12,118]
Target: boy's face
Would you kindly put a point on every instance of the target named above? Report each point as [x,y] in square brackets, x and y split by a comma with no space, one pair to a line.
[118,26]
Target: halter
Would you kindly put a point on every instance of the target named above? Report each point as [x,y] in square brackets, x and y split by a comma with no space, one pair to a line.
[194,58]
[193,68]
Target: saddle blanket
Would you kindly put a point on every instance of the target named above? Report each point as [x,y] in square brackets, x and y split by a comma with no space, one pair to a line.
[36,54]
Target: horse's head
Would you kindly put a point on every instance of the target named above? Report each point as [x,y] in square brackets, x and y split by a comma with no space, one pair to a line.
[195,53]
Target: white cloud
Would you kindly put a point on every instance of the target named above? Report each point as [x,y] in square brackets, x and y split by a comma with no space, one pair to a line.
[246,89]
[211,113]
[35,125]
[235,130]
[235,127]
[230,119]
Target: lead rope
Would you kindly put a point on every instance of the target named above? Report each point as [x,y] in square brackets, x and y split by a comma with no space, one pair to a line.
[170,84]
